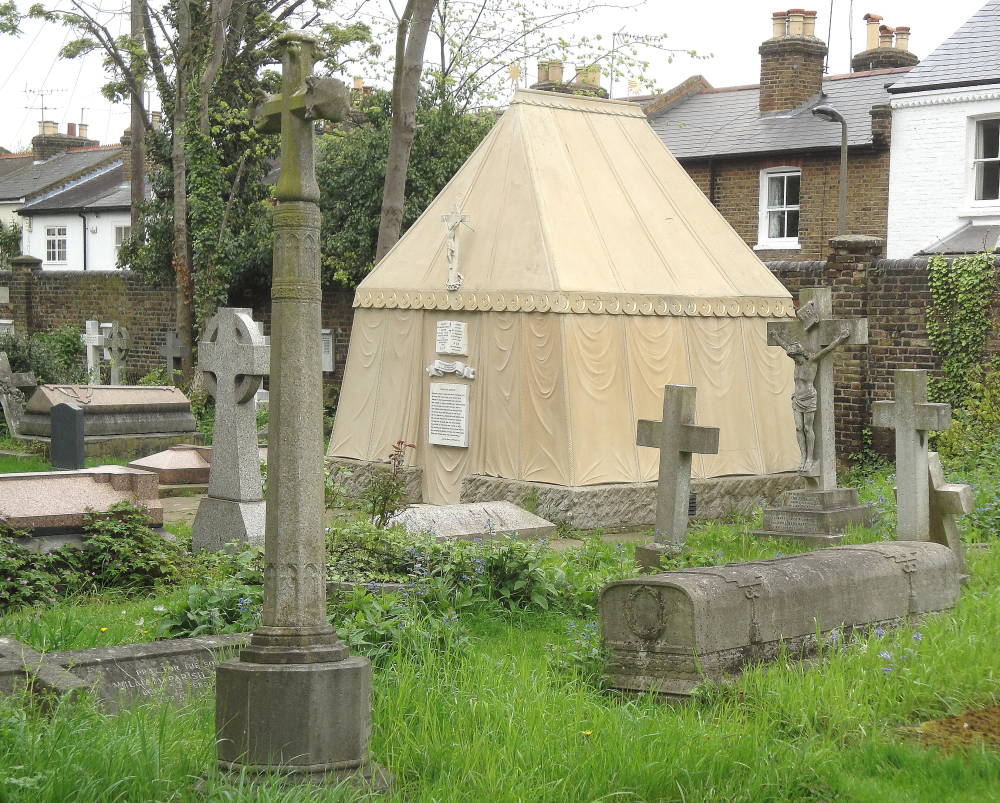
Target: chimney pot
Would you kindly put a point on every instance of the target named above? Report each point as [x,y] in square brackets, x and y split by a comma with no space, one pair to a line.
[49,128]
[555,71]
[778,24]
[543,72]
[903,37]
[885,36]
[871,31]
[809,24]
[796,21]
[359,82]
[70,129]
[82,128]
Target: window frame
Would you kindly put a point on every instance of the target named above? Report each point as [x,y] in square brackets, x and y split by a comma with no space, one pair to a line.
[764,240]
[976,204]
[125,229]
[52,244]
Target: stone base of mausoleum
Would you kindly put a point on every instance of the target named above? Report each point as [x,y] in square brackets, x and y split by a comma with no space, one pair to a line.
[123,447]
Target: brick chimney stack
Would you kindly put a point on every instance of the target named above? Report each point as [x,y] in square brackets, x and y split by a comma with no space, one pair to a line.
[48,141]
[791,62]
[885,47]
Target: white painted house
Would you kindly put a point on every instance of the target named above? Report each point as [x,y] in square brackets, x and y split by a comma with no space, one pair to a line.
[82,227]
[944,176]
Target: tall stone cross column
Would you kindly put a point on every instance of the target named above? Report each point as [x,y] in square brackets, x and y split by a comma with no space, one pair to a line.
[93,340]
[677,437]
[119,344]
[295,701]
[912,417]
[810,341]
[234,361]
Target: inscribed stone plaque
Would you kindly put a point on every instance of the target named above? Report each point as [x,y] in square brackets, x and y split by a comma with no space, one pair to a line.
[327,336]
[448,419]
[452,337]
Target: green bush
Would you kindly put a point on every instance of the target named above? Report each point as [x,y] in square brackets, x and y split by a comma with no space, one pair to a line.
[55,357]
[974,435]
[232,607]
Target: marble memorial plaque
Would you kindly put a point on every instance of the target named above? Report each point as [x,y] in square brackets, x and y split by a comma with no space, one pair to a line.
[452,337]
[448,419]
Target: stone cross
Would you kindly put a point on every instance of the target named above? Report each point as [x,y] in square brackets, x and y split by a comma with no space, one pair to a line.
[12,393]
[94,342]
[233,360]
[912,417]
[810,341]
[173,352]
[947,500]
[677,437]
[452,221]
[295,663]
[119,345]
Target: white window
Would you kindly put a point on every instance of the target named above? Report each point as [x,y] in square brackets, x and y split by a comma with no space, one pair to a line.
[55,243]
[779,208]
[986,162]
[122,233]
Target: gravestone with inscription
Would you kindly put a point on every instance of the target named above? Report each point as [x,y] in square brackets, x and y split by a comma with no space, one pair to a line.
[448,418]
[234,361]
[473,520]
[122,675]
[677,437]
[820,513]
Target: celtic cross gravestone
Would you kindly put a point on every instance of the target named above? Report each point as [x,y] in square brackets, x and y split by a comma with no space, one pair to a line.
[119,344]
[94,343]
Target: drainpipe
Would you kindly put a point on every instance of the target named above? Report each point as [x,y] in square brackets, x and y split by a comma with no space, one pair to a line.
[83,217]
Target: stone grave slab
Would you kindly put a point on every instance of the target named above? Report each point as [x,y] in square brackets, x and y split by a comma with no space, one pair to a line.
[112,409]
[122,675]
[52,504]
[473,520]
[183,464]
[670,632]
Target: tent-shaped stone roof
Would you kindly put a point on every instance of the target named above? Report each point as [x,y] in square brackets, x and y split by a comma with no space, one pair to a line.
[574,205]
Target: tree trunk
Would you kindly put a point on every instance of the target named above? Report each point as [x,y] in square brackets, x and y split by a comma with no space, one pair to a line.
[411,39]
[181,257]
[137,175]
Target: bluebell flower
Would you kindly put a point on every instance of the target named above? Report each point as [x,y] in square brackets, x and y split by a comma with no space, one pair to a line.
[885,655]
[880,631]
[917,636]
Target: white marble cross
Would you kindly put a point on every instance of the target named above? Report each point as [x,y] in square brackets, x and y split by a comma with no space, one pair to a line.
[816,333]
[119,344]
[912,417]
[677,437]
[94,341]
[234,360]
[452,221]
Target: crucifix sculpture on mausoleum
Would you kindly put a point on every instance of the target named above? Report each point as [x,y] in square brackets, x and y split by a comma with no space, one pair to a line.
[452,221]
[678,438]
[295,701]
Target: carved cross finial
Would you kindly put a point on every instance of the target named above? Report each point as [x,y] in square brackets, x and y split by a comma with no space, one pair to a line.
[304,98]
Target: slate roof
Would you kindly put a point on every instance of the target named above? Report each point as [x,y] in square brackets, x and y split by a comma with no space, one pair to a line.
[35,178]
[966,239]
[9,162]
[103,191]
[727,121]
[968,57]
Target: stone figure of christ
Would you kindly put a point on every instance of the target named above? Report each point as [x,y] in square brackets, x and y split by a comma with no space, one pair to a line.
[804,399]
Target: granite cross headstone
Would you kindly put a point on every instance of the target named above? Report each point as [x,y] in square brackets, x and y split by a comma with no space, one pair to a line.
[94,342]
[677,437]
[66,450]
[233,360]
[912,417]
[119,345]
[295,663]
[810,341]
[173,353]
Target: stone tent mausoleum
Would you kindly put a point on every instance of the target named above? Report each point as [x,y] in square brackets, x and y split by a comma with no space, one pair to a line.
[535,311]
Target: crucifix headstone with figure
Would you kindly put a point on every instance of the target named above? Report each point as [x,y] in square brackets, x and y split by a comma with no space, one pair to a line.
[234,360]
[820,513]
[94,342]
[173,353]
[452,221]
[295,701]
[119,344]
[913,418]
[678,438]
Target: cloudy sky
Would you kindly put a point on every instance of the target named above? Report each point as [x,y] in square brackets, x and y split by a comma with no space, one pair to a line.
[727,30]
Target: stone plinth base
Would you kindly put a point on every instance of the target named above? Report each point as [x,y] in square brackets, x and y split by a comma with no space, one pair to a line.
[627,506]
[222,521]
[816,517]
[122,447]
[311,721]
[650,557]
[354,476]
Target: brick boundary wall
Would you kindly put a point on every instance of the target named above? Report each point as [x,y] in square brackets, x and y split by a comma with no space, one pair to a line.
[893,295]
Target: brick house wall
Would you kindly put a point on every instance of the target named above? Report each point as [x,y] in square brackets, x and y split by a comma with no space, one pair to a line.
[736,194]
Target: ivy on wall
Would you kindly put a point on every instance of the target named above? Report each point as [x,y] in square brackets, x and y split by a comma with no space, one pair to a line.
[962,290]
